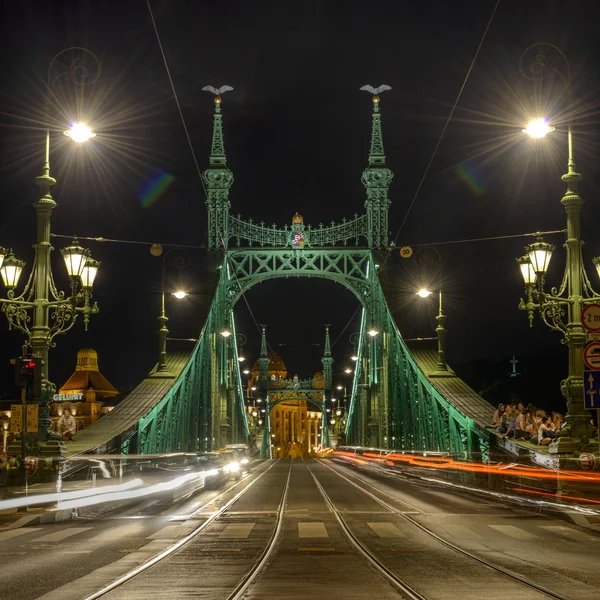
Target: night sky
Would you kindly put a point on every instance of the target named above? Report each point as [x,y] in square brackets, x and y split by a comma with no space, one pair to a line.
[297,133]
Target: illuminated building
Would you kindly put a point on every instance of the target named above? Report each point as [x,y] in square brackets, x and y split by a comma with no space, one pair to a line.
[84,393]
[295,421]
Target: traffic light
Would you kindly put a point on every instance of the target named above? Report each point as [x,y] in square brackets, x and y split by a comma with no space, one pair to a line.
[28,372]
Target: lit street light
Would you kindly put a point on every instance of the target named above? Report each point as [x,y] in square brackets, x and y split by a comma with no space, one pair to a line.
[441,369]
[538,128]
[576,290]
[180,259]
[41,311]
[79,132]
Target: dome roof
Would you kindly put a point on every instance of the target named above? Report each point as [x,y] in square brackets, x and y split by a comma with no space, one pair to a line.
[276,365]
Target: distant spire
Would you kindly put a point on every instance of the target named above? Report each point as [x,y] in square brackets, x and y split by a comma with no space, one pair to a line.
[327,343]
[263,342]
[263,363]
[327,361]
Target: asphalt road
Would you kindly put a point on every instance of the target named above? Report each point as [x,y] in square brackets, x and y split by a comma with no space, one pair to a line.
[312,556]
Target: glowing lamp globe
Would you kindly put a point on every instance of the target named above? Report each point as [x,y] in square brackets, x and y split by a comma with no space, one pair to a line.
[538,128]
[423,293]
[79,132]
[526,269]
[75,258]
[88,275]
[180,294]
[11,270]
[540,253]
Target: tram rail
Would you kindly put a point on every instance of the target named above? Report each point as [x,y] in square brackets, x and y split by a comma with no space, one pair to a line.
[394,578]
[188,538]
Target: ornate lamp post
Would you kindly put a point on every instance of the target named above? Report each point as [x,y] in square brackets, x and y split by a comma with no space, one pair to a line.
[180,261]
[41,311]
[560,308]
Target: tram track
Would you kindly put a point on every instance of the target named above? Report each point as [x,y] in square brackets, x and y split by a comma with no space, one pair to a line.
[390,575]
[188,538]
[255,570]
[408,591]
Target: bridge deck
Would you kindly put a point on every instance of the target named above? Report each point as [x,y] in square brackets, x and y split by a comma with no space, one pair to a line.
[470,403]
[454,389]
[128,412]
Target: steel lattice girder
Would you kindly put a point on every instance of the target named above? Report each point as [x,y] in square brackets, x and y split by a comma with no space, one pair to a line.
[409,411]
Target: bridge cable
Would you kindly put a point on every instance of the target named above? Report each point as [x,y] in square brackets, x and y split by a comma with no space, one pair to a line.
[191,146]
[187,135]
[462,87]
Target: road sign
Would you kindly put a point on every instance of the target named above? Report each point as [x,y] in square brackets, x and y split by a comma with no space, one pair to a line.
[591,356]
[32,418]
[16,418]
[587,461]
[591,390]
[406,252]
[593,337]
[590,317]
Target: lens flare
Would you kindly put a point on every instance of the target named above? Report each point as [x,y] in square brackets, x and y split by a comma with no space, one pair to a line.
[155,188]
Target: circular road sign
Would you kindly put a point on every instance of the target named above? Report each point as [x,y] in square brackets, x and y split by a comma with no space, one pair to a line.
[591,356]
[590,317]
[587,461]
[407,252]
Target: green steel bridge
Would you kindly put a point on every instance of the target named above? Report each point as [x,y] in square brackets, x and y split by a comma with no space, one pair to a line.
[400,398]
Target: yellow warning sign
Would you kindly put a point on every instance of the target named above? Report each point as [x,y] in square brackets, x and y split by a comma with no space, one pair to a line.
[16,418]
[32,418]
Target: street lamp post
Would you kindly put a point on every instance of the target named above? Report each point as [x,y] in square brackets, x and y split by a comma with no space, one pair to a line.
[180,261]
[53,312]
[441,369]
[575,290]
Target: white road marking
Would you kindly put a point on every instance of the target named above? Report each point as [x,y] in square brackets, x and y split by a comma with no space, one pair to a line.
[386,530]
[8,535]
[574,534]
[460,532]
[514,532]
[237,531]
[58,536]
[312,530]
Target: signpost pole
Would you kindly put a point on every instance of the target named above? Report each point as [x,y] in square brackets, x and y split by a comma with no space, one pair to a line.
[23,430]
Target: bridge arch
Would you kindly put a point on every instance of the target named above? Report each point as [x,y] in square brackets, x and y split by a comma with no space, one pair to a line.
[354,269]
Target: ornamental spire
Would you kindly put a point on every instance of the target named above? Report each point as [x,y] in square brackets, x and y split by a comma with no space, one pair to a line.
[327,344]
[263,363]
[327,361]
[377,154]
[377,177]
[218,178]
[263,343]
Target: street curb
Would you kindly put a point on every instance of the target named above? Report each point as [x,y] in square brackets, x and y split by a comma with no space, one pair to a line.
[55,516]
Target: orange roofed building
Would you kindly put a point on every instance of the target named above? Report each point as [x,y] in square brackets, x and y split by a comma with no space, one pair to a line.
[85,392]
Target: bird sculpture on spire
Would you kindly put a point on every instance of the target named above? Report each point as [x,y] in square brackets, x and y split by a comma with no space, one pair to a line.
[217,91]
[375,91]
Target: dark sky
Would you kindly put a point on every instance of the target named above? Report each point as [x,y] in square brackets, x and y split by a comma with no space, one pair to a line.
[297,132]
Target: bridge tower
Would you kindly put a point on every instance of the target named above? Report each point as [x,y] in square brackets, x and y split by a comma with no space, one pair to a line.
[218,180]
[377,178]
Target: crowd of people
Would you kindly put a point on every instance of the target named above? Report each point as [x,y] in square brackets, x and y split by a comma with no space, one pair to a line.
[527,423]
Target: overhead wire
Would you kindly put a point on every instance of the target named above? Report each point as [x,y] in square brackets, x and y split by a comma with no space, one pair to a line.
[187,134]
[191,146]
[491,238]
[458,97]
